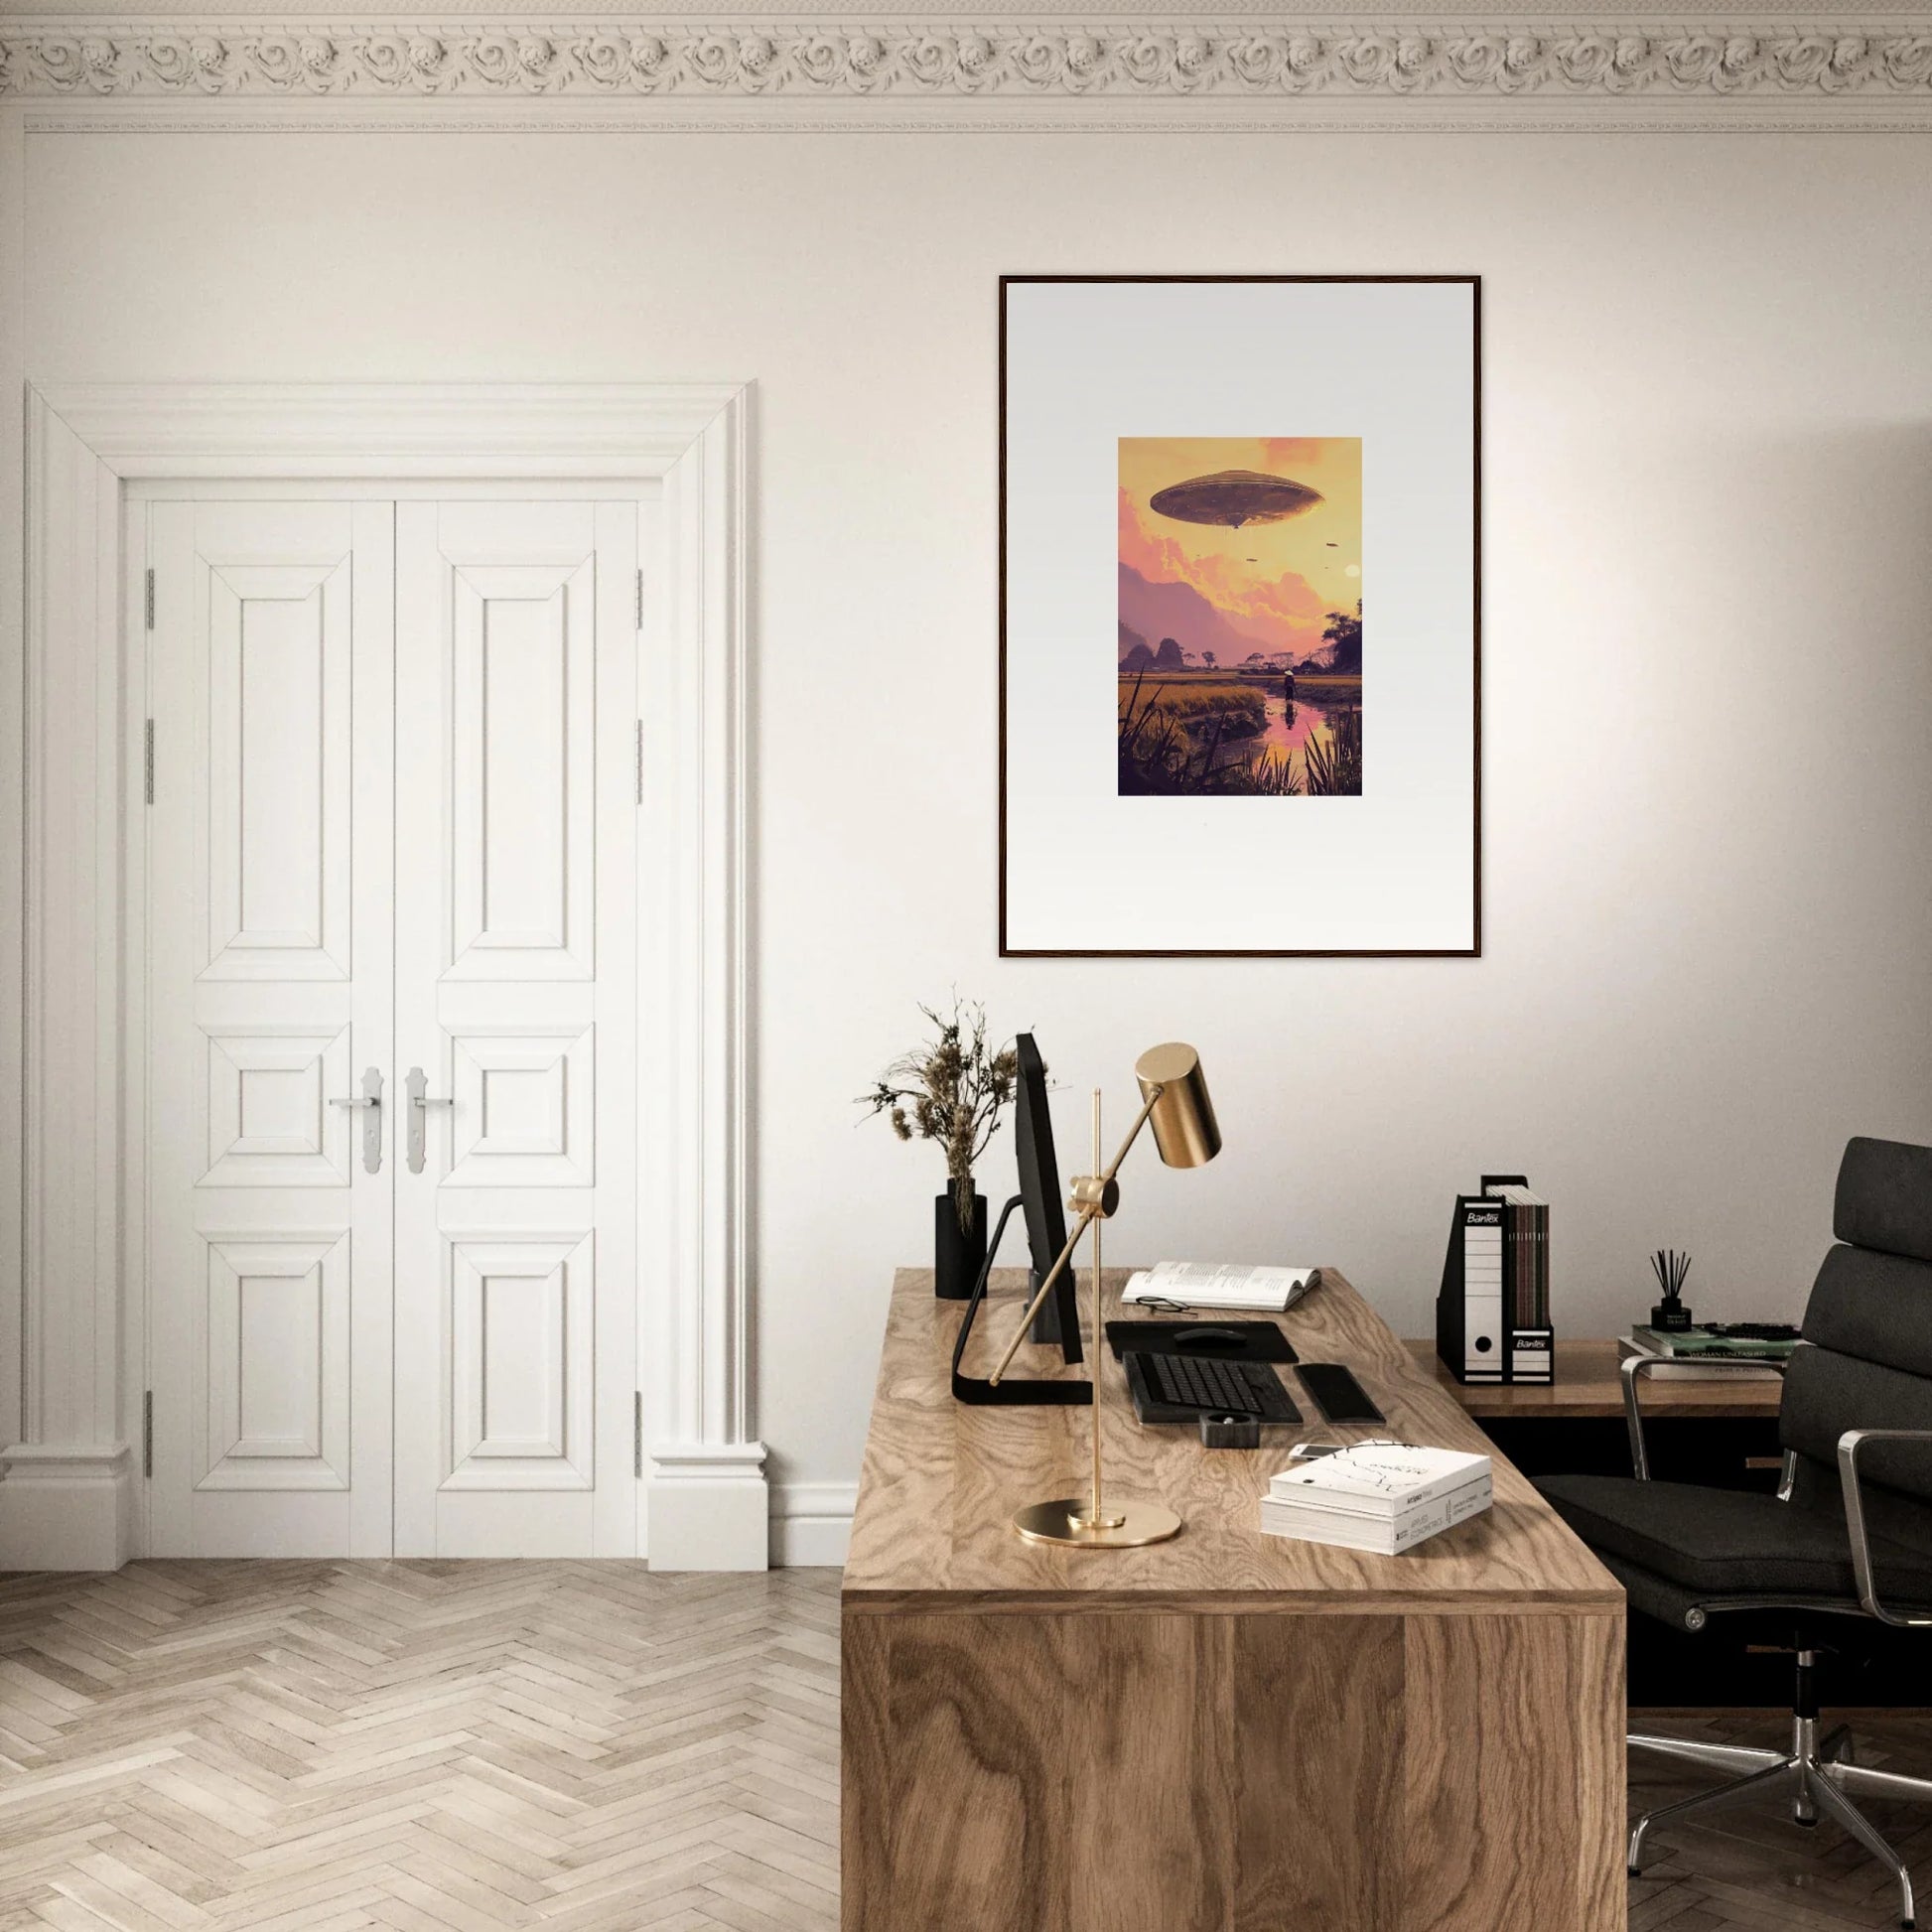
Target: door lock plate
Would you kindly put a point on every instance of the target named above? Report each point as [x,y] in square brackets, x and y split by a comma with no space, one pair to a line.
[370,1101]
[420,1102]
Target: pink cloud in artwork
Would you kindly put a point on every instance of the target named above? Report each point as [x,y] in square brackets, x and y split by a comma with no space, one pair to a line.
[1286,611]
[1285,451]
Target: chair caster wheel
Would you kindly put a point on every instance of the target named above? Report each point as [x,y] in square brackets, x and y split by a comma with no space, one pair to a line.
[1810,1824]
[1634,1872]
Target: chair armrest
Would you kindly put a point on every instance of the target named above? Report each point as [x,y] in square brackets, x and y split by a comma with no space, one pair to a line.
[1634,1367]
[1849,1446]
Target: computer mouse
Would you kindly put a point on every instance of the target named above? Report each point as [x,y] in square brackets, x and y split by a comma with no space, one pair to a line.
[1204,1338]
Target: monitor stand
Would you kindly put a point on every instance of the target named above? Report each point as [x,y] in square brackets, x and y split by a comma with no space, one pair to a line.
[1011,1390]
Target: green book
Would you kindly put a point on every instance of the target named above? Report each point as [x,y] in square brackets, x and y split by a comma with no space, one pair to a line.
[1701,1341]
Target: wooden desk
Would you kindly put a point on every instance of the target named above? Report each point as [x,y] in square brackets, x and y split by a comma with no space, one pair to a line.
[1588,1385]
[1227,1733]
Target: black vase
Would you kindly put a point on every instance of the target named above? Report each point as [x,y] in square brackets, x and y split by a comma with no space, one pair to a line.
[957,1257]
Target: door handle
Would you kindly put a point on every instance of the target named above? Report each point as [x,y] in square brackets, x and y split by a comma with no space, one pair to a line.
[420,1102]
[371,1098]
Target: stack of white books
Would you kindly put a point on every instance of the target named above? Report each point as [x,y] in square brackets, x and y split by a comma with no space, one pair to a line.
[1381,1496]
[1219,1285]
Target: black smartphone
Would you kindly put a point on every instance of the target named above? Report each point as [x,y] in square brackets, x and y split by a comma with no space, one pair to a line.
[1337,1394]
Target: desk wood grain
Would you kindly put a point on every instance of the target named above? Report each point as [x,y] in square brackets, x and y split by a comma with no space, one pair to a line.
[941,1480]
[1228,1733]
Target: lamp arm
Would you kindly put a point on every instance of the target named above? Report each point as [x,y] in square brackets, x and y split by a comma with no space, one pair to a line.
[1133,1134]
[1089,1215]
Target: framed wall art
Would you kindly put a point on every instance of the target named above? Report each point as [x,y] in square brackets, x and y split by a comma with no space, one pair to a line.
[1261,494]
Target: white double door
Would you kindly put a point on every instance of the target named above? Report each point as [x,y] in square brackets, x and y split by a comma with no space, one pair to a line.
[390,859]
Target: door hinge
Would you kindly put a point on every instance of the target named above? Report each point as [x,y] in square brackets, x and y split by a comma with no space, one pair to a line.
[641,761]
[150,600]
[147,1433]
[637,1433]
[147,760]
[640,598]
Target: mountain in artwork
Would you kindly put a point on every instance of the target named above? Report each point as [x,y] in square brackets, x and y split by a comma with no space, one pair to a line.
[1179,611]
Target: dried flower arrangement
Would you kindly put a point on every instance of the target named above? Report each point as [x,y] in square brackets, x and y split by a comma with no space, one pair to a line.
[951,1090]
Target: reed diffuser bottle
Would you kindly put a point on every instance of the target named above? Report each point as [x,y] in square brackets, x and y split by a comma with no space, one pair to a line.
[1670,1315]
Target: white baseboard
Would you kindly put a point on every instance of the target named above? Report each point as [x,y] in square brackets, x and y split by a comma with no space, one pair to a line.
[66,1507]
[811,1523]
[72,1509]
[709,1507]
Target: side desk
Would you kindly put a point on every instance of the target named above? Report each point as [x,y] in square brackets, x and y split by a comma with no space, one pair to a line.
[1226,1733]
[1588,1387]
[1720,1432]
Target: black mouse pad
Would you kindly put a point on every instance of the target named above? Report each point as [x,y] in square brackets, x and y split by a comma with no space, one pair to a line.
[1224,1342]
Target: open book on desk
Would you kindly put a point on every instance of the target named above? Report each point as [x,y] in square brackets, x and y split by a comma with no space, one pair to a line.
[1218,1285]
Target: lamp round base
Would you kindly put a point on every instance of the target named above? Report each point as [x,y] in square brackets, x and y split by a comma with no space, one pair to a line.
[1055,1522]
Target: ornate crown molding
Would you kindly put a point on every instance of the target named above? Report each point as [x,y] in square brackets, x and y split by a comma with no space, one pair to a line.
[1253,63]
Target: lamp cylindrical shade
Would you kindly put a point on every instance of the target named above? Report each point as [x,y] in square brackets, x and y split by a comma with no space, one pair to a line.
[1185,1128]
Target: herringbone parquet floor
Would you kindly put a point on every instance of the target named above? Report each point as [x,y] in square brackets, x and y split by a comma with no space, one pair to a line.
[315,1747]
[453,1748]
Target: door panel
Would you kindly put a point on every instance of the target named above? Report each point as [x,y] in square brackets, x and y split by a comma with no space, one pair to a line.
[269,1119]
[523,696]
[520,1362]
[278,781]
[278,1381]
[524,1107]
[269,991]
[515,992]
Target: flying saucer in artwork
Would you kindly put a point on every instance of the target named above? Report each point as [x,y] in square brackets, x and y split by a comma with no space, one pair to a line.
[1232,498]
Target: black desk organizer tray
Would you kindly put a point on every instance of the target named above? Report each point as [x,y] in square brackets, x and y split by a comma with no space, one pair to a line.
[1253,1341]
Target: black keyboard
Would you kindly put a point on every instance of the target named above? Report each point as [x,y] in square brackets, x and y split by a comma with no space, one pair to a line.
[1204,1386]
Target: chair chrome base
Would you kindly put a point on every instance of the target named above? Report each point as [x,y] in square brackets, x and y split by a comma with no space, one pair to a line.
[1817,1774]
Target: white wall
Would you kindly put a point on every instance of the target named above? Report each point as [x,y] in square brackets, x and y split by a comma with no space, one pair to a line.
[1707,718]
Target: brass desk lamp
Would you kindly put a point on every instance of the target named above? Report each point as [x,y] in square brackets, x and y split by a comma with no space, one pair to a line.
[1175,1100]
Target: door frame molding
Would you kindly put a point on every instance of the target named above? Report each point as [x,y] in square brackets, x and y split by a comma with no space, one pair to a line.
[73,1425]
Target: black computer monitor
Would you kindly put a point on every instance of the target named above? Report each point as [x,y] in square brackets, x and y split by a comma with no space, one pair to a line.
[1040,1195]
[1038,1200]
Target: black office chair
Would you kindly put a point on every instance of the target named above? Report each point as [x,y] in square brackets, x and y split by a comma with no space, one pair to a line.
[1848,1536]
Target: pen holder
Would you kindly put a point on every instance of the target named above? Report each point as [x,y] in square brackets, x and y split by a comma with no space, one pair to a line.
[1673,1318]
[1230,1431]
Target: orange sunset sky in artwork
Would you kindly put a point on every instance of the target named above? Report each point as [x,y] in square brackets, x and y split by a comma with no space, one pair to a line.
[1274,581]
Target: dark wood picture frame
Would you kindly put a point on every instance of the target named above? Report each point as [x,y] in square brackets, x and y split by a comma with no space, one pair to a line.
[1475,949]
